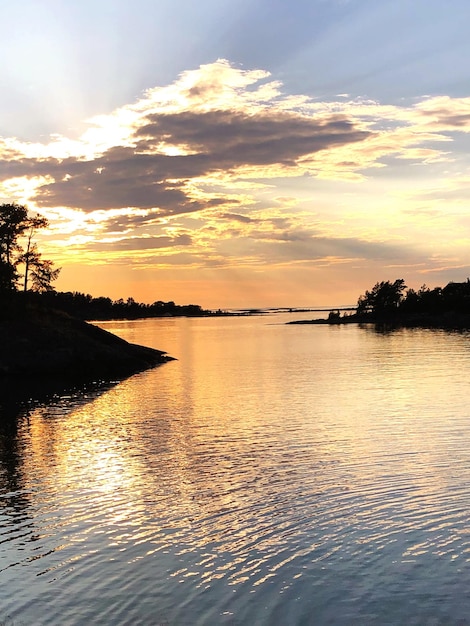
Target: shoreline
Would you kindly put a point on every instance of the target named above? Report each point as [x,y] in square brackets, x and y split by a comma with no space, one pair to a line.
[44,343]
[445,321]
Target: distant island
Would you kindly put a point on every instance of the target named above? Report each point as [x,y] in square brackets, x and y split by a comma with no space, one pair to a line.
[86,307]
[392,304]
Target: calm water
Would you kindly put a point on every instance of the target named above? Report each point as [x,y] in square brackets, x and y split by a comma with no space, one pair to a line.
[273,475]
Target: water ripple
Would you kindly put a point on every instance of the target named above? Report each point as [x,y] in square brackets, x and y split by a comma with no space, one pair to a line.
[158,502]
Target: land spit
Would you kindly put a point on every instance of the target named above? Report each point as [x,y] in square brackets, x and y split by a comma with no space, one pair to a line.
[45,343]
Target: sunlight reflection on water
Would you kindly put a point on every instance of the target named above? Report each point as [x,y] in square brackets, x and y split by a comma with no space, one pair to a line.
[272,475]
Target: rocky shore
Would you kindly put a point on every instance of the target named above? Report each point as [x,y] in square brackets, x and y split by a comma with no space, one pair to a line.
[45,343]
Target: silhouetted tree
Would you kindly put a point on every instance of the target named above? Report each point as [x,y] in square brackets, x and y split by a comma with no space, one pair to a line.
[43,274]
[382,300]
[334,317]
[13,223]
[17,248]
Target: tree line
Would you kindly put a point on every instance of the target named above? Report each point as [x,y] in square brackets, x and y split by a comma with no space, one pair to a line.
[86,307]
[26,276]
[24,270]
[389,301]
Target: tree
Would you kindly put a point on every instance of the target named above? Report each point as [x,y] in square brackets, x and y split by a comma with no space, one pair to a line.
[43,275]
[383,299]
[17,249]
[31,258]
[13,223]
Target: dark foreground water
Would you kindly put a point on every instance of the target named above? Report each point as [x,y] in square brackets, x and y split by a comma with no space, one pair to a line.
[273,475]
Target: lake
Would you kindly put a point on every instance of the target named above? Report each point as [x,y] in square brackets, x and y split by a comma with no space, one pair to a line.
[273,475]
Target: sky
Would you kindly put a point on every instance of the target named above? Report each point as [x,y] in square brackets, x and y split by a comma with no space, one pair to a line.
[240,153]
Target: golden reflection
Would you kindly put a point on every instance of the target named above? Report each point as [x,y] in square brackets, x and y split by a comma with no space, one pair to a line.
[215,454]
[87,450]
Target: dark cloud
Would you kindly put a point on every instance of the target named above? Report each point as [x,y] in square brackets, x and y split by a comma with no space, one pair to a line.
[233,139]
[122,223]
[111,190]
[143,243]
[216,140]
[30,167]
[239,218]
[448,118]
[122,178]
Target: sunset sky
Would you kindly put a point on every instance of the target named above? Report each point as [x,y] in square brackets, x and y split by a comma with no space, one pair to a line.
[236,153]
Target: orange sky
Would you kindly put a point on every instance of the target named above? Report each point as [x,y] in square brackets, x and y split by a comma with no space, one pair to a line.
[230,186]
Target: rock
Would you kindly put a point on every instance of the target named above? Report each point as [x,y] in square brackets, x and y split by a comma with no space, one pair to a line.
[41,342]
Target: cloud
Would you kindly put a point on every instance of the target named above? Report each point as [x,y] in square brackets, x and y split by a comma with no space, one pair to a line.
[225,164]
[232,138]
[217,141]
[245,219]
[126,221]
[142,243]
[222,121]
[446,113]
[125,179]
[288,247]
